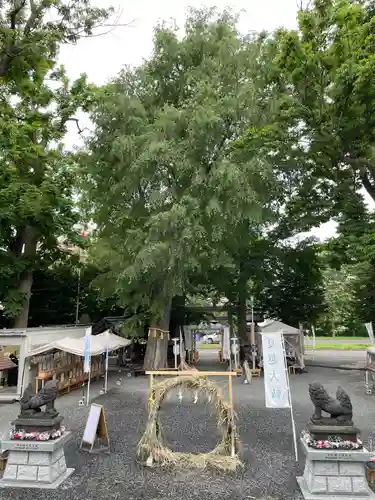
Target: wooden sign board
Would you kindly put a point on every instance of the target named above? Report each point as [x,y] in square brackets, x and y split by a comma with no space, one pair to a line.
[96,429]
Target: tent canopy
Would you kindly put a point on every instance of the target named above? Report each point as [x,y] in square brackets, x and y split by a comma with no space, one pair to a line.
[277,326]
[99,344]
[293,339]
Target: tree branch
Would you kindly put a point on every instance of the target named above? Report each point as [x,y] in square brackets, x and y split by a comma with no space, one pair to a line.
[365,169]
[370,188]
[14,12]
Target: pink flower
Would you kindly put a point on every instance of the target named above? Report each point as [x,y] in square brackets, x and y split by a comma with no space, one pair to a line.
[326,444]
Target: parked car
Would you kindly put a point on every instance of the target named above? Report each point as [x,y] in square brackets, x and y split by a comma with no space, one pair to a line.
[212,338]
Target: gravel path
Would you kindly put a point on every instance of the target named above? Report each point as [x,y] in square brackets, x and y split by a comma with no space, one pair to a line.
[336,359]
[269,466]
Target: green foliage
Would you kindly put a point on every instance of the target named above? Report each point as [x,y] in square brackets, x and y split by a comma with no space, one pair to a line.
[37,176]
[55,293]
[166,185]
[292,286]
[320,135]
[32,31]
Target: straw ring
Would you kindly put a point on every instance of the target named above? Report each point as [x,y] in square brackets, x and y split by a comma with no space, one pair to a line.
[152,447]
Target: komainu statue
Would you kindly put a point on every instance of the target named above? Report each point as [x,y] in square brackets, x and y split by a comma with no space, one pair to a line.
[32,403]
[339,409]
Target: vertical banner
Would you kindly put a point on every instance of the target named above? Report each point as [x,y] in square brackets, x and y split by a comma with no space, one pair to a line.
[182,346]
[87,351]
[275,375]
[188,338]
[226,343]
[276,379]
[370,331]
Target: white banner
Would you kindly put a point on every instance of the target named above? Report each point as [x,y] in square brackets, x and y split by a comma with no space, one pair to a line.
[188,338]
[275,374]
[370,331]
[87,351]
[176,349]
[226,343]
[182,347]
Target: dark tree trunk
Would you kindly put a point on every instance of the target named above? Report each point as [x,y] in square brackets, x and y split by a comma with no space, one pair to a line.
[30,241]
[156,357]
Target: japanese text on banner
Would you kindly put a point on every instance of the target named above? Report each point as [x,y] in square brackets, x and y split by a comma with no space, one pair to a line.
[275,376]
[87,351]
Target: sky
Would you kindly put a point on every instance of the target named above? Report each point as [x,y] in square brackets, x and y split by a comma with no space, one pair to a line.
[102,57]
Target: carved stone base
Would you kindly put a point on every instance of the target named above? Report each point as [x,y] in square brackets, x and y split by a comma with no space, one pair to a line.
[343,432]
[35,464]
[334,422]
[38,425]
[332,474]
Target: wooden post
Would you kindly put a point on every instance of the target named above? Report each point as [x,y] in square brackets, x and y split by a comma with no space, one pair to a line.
[230,386]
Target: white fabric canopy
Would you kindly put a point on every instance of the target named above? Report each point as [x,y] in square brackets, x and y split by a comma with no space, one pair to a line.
[277,326]
[99,344]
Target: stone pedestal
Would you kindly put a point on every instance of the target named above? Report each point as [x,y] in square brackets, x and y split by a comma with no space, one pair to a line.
[40,424]
[343,432]
[35,464]
[335,474]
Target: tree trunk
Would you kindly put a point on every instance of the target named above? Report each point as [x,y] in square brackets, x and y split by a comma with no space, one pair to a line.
[156,357]
[242,298]
[30,241]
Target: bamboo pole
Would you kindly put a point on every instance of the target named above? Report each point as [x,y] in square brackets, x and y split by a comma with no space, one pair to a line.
[230,386]
[191,372]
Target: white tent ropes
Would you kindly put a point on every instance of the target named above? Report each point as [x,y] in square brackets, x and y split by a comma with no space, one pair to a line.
[103,343]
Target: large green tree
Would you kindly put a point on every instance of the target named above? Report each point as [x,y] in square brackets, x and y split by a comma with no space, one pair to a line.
[31,31]
[36,173]
[163,180]
[320,137]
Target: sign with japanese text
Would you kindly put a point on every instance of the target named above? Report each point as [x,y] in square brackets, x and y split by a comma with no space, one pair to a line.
[275,374]
[87,351]
[226,343]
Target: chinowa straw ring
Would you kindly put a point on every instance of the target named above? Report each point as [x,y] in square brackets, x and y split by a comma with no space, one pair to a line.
[152,447]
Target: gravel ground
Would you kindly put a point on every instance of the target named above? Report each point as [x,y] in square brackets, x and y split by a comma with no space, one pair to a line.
[336,359]
[269,465]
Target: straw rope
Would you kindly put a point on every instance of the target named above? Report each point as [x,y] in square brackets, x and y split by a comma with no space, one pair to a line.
[152,447]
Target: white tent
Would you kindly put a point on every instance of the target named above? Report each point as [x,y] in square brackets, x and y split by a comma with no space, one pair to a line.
[104,342]
[294,342]
[274,326]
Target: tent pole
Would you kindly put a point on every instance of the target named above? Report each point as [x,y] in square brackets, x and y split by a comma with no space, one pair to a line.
[106,370]
[88,386]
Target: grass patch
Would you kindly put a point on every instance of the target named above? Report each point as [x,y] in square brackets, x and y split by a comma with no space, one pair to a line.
[335,339]
[339,347]
[208,346]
